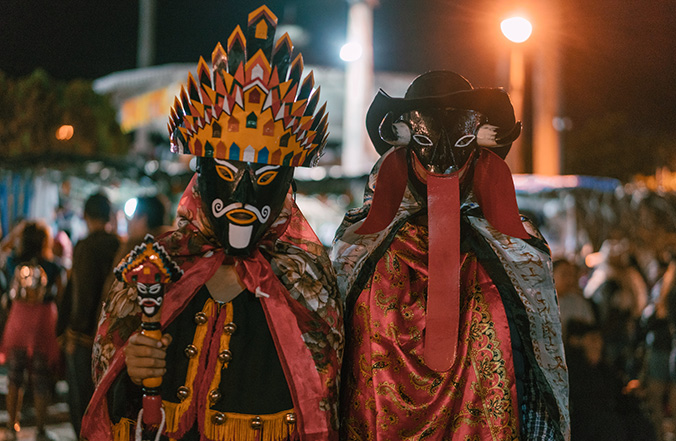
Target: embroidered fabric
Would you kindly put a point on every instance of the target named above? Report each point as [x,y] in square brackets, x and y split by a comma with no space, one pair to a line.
[303,311]
[526,264]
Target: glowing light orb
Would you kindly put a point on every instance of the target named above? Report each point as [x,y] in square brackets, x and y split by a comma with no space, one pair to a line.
[516,29]
[130,207]
[64,133]
[351,52]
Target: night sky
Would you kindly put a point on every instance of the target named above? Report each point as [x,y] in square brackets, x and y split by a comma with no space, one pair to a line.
[618,55]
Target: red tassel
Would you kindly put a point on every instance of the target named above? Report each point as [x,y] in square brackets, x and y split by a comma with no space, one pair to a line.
[388,193]
[494,189]
[152,413]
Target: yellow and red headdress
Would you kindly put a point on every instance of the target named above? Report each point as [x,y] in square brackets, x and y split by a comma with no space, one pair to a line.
[251,106]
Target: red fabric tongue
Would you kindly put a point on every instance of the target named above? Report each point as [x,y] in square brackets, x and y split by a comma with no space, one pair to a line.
[443,294]
[389,191]
[494,189]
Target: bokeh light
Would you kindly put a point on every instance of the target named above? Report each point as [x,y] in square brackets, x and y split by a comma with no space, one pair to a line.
[130,207]
[64,133]
[351,52]
[516,29]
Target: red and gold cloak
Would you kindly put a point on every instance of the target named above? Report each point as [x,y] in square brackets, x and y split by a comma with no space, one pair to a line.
[302,310]
[507,298]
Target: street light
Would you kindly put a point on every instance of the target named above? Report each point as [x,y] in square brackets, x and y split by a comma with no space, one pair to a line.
[357,154]
[517,29]
[351,51]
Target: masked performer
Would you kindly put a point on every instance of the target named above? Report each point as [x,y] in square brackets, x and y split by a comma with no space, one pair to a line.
[451,318]
[253,328]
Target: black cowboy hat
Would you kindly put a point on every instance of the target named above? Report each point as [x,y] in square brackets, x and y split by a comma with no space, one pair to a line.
[441,89]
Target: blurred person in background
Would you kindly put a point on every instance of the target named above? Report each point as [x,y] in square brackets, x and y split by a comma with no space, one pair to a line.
[572,304]
[63,250]
[601,407]
[29,339]
[92,261]
[620,294]
[148,218]
[656,337]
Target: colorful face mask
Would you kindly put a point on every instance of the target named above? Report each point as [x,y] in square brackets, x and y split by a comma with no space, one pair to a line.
[250,117]
[241,200]
[149,268]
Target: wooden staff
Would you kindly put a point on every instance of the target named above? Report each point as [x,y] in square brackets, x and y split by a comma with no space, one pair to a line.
[149,268]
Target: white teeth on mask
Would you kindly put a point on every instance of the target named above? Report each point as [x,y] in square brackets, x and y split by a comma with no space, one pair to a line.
[148,310]
[239,235]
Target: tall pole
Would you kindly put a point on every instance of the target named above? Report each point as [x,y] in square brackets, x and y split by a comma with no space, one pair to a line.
[517,30]
[145,50]
[357,152]
[547,94]
[145,57]
[517,86]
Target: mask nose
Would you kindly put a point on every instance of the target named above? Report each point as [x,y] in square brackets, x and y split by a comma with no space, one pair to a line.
[437,158]
[244,191]
[443,159]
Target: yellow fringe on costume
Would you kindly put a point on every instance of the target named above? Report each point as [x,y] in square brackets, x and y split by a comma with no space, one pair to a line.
[122,431]
[237,427]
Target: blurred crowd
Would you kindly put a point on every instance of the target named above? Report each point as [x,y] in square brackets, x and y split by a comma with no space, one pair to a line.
[618,312]
[51,291]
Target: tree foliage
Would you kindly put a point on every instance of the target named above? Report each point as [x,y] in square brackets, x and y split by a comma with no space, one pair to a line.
[33,108]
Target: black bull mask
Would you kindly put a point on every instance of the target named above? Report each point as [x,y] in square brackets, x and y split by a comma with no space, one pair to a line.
[443,140]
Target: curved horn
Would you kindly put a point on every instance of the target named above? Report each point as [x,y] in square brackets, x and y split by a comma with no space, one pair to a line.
[394,133]
[488,136]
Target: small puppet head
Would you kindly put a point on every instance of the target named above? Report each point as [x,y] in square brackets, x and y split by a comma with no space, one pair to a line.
[149,268]
[250,121]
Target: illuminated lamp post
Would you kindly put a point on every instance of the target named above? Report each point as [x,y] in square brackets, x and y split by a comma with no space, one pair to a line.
[358,155]
[517,30]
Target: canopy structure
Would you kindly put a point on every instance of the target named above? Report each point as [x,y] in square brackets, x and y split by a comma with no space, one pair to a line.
[576,214]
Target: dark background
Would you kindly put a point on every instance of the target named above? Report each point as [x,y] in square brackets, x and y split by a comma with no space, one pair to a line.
[618,56]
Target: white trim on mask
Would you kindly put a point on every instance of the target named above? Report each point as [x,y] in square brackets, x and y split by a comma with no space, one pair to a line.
[218,210]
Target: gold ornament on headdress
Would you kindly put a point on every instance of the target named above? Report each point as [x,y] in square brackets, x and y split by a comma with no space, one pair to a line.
[251,108]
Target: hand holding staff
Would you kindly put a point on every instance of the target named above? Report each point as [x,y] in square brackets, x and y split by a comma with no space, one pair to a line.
[149,268]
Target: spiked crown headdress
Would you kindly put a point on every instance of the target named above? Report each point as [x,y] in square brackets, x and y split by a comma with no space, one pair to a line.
[148,262]
[251,106]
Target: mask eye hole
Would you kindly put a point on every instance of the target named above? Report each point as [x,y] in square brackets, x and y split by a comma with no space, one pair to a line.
[266,177]
[143,289]
[154,289]
[465,141]
[423,140]
[225,173]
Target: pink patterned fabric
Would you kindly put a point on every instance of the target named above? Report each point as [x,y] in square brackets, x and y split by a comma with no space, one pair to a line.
[390,393]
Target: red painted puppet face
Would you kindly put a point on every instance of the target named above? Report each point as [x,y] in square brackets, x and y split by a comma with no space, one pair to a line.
[149,284]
